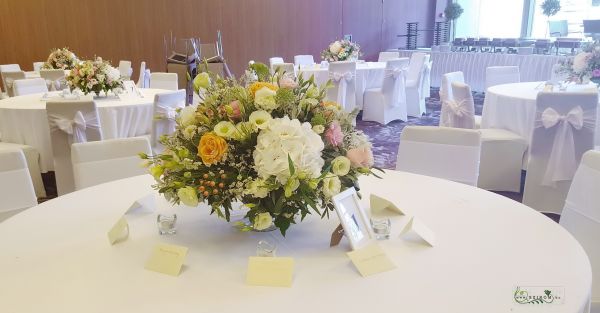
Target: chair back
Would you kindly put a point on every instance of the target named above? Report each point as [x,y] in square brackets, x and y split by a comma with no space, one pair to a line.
[8,79]
[302,60]
[581,214]
[427,77]
[167,81]
[107,160]
[446,86]
[37,66]
[286,68]
[426,150]
[164,112]
[459,112]
[16,188]
[70,122]
[499,75]
[125,69]
[55,79]
[343,77]
[564,129]
[144,78]
[10,68]
[275,60]
[416,65]
[385,56]
[393,88]
[23,87]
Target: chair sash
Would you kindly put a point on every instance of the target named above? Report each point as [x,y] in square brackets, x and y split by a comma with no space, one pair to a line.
[75,127]
[54,85]
[9,83]
[562,162]
[165,116]
[342,79]
[397,74]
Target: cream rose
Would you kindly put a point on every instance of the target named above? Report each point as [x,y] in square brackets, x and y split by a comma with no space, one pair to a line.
[263,221]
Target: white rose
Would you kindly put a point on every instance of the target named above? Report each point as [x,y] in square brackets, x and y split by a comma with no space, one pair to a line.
[188,196]
[265,99]
[335,47]
[263,221]
[187,116]
[331,186]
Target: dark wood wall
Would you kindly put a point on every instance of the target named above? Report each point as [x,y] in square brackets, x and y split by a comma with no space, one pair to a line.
[252,29]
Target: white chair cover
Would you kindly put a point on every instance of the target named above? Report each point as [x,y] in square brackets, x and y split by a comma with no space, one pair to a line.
[165,112]
[415,80]
[287,68]
[385,56]
[564,129]
[32,156]
[16,189]
[460,112]
[70,122]
[37,66]
[343,77]
[10,68]
[301,60]
[125,69]
[103,161]
[167,81]
[144,78]
[446,94]
[8,79]
[23,87]
[448,153]
[499,75]
[581,214]
[55,79]
[388,103]
[427,79]
[275,60]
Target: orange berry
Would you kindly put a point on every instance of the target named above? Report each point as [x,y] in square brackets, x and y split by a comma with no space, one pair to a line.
[201,188]
[205,176]
[223,176]
[212,183]
[221,185]
[206,193]
[215,191]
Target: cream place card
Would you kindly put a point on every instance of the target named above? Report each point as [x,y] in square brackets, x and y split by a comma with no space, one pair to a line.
[167,259]
[371,260]
[419,228]
[270,271]
[146,203]
[119,231]
[379,204]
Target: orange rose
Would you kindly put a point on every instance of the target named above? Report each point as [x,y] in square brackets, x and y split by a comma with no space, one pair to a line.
[212,148]
[258,85]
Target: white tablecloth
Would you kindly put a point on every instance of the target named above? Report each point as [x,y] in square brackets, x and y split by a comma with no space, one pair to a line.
[473,65]
[56,257]
[23,120]
[512,107]
[368,75]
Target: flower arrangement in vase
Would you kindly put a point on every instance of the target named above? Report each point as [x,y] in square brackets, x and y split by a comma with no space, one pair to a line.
[584,67]
[94,76]
[62,59]
[341,50]
[268,141]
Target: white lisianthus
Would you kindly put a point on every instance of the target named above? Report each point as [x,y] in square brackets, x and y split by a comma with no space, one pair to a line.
[187,115]
[257,188]
[340,166]
[335,47]
[260,119]
[189,132]
[225,129]
[188,196]
[265,99]
[283,138]
[262,221]
[319,129]
[331,186]
[580,62]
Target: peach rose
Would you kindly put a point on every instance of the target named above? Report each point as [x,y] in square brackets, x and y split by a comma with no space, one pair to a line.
[212,148]
[334,134]
[360,157]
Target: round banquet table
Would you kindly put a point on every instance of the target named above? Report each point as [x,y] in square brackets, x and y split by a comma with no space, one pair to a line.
[23,120]
[513,106]
[368,75]
[56,257]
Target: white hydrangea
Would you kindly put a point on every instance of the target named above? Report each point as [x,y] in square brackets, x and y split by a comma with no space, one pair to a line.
[285,137]
[112,74]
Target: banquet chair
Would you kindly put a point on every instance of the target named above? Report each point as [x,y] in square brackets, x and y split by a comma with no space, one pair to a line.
[167,81]
[287,68]
[581,215]
[55,79]
[16,188]
[443,152]
[446,96]
[499,75]
[415,97]
[343,77]
[387,103]
[164,112]
[70,122]
[427,79]
[125,69]
[564,128]
[32,156]
[99,162]
[37,66]
[302,60]
[275,60]
[385,56]
[23,87]
[10,68]
[8,79]
[502,151]
[144,78]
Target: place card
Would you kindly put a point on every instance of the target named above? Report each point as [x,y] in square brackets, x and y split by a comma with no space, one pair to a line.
[147,203]
[380,204]
[167,259]
[270,271]
[119,232]
[371,260]
[130,90]
[419,228]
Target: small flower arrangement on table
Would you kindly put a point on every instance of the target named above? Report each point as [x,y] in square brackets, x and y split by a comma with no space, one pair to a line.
[341,50]
[268,141]
[60,59]
[584,67]
[94,76]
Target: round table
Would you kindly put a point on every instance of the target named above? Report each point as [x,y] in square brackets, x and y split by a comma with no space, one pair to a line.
[513,106]
[23,120]
[368,75]
[56,257]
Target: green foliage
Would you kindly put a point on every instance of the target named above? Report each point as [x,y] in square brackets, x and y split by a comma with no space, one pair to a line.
[550,7]
[261,70]
[453,11]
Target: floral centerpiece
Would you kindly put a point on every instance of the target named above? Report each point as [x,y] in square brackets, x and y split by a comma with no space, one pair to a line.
[584,67]
[341,50]
[94,76]
[62,59]
[268,141]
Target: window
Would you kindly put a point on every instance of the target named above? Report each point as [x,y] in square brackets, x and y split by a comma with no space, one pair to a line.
[490,18]
[573,12]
